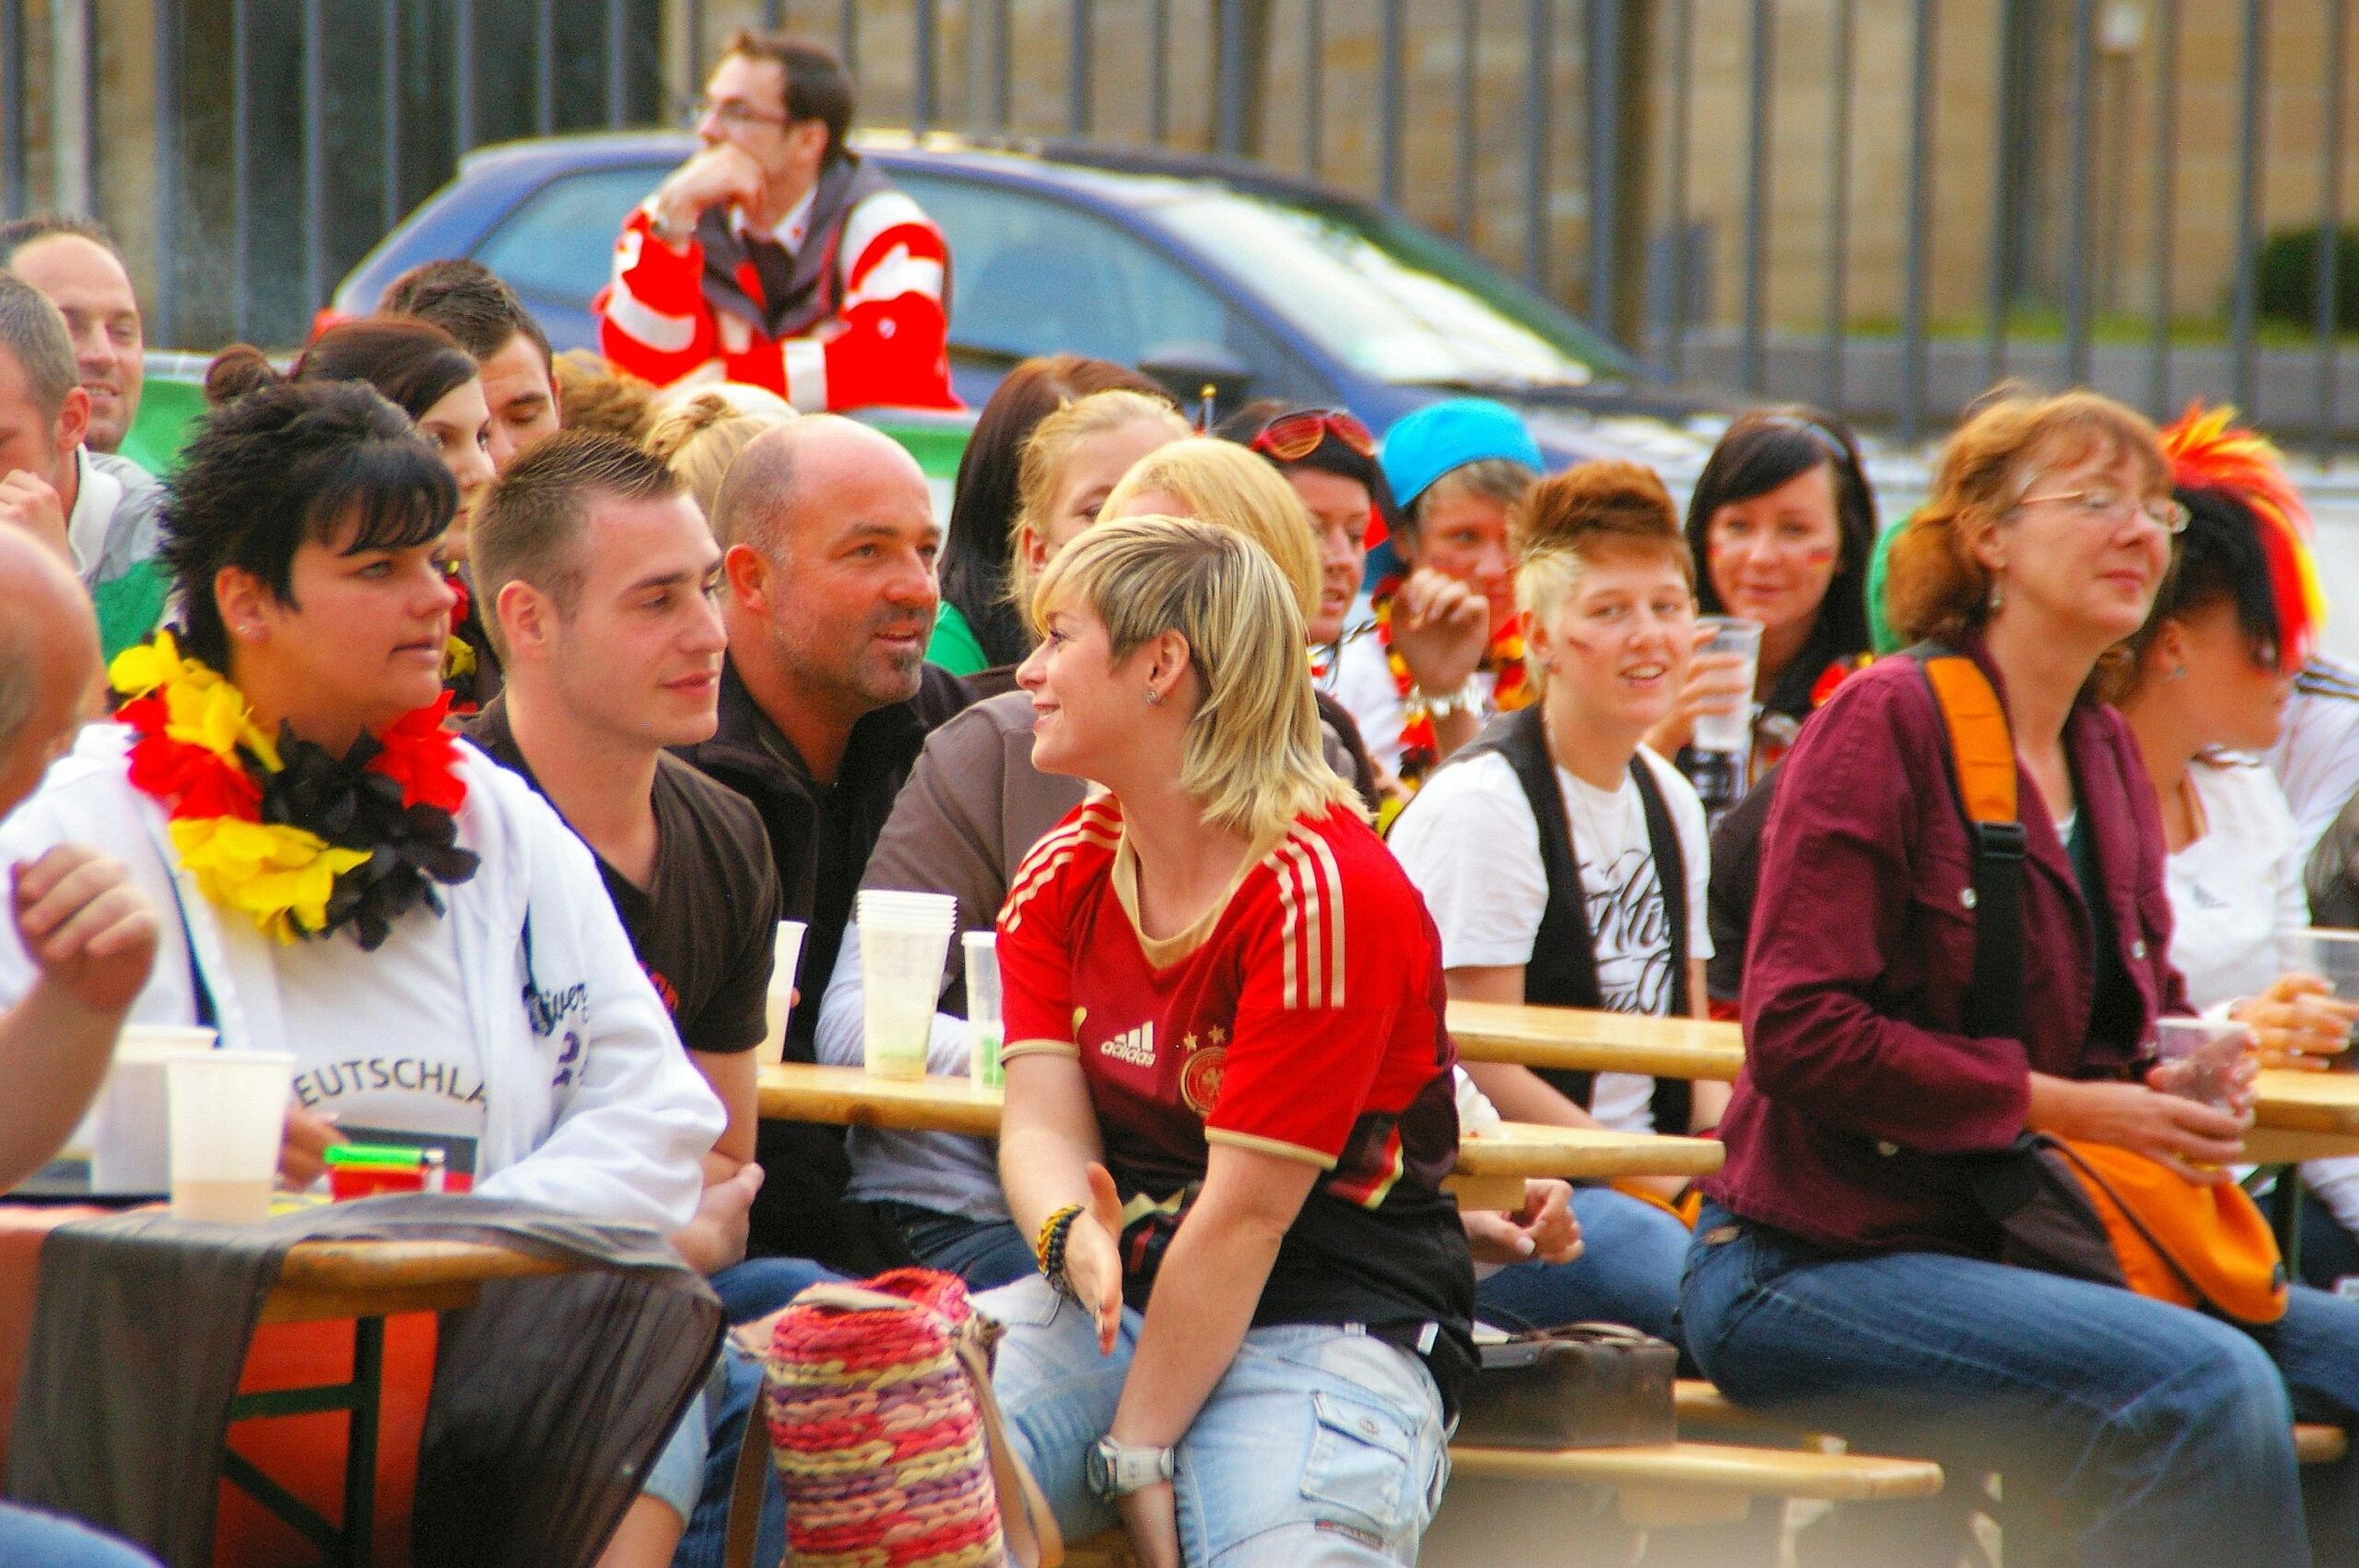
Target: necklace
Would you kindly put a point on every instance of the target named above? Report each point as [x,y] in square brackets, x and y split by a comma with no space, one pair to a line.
[302,843]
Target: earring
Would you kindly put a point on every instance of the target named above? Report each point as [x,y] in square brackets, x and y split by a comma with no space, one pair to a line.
[1154,697]
[2179,673]
[1997,598]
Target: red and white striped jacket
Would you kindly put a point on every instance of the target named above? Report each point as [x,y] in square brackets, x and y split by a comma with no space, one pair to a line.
[884,338]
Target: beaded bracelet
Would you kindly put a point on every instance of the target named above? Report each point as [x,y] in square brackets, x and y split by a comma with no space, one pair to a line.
[1050,1247]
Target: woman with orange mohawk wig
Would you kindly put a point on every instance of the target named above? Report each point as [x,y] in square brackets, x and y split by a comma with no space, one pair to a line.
[2204,684]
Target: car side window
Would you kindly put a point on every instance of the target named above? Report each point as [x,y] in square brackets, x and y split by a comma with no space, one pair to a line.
[539,249]
[1034,276]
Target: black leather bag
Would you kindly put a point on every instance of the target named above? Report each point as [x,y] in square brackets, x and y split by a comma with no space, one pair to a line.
[1584,1386]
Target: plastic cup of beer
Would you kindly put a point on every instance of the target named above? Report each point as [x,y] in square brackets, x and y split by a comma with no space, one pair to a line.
[904,937]
[1730,733]
[130,1131]
[228,1117]
[2196,1058]
[786,958]
[984,1035]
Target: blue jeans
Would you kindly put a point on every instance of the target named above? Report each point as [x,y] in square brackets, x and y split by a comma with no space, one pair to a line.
[987,1254]
[1628,1272]
[759,1286]
[51,1541]
[729,1399]
[1319,1447]
[2142,1433]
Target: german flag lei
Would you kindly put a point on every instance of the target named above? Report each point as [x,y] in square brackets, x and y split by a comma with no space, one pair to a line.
[1503,660]
[302,843]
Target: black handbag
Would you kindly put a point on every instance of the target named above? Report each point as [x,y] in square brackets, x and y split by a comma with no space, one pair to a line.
[1584,1386]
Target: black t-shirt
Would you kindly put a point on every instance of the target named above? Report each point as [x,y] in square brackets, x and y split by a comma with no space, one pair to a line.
[705,927]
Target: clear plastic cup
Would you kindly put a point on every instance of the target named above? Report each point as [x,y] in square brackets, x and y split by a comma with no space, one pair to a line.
[2196,1058]
[2332,955]
[984,1031]
[130,1129]
[1730,733]
[786,959]
[904,938]
[228,1117]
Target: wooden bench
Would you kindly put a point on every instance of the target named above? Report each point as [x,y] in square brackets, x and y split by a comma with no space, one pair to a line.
[1655,1485]
[1705,1408]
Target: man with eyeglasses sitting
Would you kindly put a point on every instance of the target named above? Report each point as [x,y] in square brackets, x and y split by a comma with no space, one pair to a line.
[776,255]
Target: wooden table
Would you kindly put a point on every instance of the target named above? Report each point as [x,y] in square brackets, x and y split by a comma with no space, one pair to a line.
[1492,1166]
[2303,1115]
[1580,1040]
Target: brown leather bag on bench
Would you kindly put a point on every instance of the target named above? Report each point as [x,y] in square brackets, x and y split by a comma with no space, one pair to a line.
[1586,1386]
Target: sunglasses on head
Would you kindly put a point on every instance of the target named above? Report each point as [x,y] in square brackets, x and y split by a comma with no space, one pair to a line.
[1290,438]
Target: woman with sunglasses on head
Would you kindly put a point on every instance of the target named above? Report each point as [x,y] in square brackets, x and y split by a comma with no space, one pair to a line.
[1229,1104]
[1845,1271]
[2204,684]
[1781,523]
[979,626]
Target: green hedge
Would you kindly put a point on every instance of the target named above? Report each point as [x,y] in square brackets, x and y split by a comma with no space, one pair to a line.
[2287,275]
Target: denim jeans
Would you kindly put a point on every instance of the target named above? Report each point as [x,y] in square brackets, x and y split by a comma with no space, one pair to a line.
[759,1286]
[1628,1271]
[2142,1433]
[29,1537]
[1318,1447]
[728,1399]
[987,1254]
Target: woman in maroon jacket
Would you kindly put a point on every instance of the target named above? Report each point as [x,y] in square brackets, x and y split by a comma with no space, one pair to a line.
[1843,1268]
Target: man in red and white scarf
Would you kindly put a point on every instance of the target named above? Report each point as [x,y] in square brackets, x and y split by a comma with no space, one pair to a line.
[776,256]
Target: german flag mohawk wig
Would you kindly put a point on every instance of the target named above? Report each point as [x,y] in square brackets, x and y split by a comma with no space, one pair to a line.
[2229,476]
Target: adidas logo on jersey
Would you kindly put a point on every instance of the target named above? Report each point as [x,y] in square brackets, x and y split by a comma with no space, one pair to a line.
[1134,1045]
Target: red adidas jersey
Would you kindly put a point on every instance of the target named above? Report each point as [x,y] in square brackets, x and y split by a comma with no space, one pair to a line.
[1303,1018]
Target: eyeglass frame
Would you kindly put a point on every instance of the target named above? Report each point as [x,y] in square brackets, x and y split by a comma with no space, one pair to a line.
[736,113]
[2173,522]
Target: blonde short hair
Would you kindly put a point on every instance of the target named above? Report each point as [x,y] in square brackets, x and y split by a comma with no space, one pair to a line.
[1041,469]
[696,432]
[1252,760]
[1223,483]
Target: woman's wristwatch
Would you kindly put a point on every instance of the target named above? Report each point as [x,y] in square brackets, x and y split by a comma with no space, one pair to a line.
[1117,1469]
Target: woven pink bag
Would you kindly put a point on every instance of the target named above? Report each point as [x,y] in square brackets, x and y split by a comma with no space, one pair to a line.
[878,1407]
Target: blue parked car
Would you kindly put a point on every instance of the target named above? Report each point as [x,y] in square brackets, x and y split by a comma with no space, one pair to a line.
[1193,268]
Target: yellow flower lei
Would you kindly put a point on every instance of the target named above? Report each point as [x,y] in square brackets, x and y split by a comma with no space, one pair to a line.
[279,875]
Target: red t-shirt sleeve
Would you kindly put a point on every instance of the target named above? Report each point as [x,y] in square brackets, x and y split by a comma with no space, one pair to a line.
[1036,947]
[1321,992]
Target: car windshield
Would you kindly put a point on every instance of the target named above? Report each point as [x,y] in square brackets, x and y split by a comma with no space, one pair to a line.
[1392,303]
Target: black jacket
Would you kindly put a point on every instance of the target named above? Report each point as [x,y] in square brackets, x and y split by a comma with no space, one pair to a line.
[820,836]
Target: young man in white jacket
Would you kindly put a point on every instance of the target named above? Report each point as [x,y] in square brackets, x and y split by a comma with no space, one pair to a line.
[467,983]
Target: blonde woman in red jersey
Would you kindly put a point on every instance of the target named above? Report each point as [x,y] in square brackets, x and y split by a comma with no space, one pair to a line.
[1229,1104]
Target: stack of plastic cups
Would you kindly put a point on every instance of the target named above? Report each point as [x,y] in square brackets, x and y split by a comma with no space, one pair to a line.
[904,937]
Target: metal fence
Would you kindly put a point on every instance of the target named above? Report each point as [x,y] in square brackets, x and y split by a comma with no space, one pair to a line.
[1880,207]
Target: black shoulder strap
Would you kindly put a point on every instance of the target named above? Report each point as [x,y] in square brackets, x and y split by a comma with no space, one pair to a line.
[1674,1098]
[1563,969]
[1979,749]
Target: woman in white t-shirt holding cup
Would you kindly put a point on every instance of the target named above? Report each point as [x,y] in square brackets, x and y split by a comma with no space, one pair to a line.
[1566,863]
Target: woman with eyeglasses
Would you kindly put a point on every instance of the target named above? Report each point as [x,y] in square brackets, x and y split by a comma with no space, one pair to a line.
[1843,1269]
[2204,684]
[1781,523]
